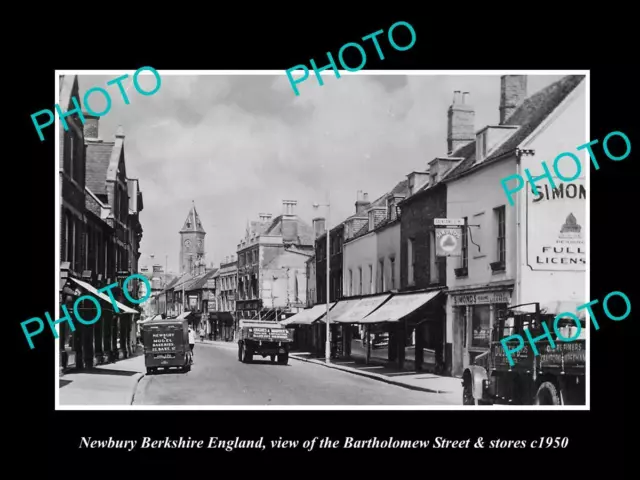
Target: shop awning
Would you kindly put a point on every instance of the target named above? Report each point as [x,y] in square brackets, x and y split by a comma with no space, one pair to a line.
[184,315]
[354,311]
[91,289]
[400,306]
[223,318]
[307,316]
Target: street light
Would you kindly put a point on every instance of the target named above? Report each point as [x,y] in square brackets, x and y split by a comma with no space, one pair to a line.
[327,351]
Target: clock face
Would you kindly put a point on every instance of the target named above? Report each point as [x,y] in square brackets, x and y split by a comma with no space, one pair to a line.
[187,243]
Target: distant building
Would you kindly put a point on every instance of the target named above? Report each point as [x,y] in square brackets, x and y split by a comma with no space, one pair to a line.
[272,265]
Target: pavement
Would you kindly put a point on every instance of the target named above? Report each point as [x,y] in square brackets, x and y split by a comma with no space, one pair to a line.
[112,384]
[218,378]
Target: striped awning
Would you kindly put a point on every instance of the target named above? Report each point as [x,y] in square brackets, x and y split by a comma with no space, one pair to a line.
[354,311]
[400,306]
[91,289]
[307,316]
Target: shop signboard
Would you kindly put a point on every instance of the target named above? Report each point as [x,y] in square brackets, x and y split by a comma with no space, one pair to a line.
[481,298]
[556,227]
[448,235]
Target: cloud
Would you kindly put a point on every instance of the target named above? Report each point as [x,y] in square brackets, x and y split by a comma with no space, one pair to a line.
[239,145]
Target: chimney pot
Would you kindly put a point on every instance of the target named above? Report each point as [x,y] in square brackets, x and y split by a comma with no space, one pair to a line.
[465,97]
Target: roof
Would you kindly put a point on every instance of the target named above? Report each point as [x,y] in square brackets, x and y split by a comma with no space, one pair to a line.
[192,223]
[400,188]
[200,281]
[529,115]
[98,158]
[305,233]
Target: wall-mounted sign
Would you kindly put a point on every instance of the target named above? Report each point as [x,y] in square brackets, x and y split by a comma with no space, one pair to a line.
[481,298]
[449,242]
[449,221]
[556,227]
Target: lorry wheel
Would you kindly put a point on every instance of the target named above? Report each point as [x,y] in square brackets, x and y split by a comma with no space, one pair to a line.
[239,352]
[247,355]
[149,371]
[547,395]
[283,359]
[467,395]
[273,358]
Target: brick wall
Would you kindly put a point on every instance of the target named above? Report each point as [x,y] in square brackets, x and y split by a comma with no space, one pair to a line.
[417,223]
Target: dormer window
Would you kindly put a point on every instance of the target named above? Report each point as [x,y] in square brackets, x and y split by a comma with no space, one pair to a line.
[481,146]
[372,220]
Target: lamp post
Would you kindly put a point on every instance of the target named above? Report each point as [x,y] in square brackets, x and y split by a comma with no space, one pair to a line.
[327,350]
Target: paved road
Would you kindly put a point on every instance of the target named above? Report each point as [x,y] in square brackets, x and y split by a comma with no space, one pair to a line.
[218,378]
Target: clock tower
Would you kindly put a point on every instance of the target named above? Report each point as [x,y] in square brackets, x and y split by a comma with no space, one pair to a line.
[191,242]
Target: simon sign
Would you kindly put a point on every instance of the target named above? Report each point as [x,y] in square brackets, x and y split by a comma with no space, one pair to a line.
[556,227]
[448,236]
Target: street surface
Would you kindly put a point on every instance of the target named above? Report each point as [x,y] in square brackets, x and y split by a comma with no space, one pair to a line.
[218,378]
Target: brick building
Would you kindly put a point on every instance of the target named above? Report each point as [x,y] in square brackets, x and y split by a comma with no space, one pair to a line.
[99,238]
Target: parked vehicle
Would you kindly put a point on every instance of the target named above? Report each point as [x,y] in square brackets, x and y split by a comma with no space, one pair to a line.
[166,344]
[263,338]
[554,377]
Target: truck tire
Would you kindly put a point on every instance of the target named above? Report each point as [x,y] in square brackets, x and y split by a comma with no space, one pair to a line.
[547,395]
[273,358]
[247,354]
[467,394]
[149,371]
[283,359]
[239,352]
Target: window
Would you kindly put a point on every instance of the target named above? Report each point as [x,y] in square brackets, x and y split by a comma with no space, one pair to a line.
[465,245]
[350,282]
[501,238]
[371,285]
[480,333]
[360,281]
[410,261]
[392,262]
[381,285]
[434,267]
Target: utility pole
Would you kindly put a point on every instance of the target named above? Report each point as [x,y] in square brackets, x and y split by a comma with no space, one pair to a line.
[327,351]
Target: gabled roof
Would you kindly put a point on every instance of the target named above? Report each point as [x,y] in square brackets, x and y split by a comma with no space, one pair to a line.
[192,222]
[528,116]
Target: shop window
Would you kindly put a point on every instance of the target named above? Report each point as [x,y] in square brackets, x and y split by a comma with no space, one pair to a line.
[480,333]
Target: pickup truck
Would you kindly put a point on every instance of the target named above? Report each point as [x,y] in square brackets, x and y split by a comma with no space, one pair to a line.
[265,339]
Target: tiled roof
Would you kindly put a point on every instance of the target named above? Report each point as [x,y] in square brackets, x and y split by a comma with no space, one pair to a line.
[192,223]
[98,157]
[533,111]
[199,282]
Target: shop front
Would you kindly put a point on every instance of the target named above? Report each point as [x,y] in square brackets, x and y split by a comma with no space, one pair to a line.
[474,313]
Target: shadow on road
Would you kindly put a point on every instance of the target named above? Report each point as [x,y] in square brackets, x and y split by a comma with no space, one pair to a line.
[100,371]
[268,362]
[64,383]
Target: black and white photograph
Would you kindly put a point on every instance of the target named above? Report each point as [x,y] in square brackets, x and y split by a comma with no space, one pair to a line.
[367,244]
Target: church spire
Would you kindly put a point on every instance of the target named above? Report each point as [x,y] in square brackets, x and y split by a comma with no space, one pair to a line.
[192,222]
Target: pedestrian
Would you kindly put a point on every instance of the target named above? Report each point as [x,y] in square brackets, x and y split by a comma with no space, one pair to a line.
[192,340]
[201,334]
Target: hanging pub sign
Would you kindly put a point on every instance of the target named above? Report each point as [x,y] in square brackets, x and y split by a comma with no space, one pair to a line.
[448,236]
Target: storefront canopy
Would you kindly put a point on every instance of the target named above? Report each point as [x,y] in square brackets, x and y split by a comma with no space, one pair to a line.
[400,306]
[223,318]
[354,311]
[308,316]
[91,289]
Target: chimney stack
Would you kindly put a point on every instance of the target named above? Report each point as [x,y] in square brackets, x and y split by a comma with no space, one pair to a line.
[513,91]
[91,127]
[319,226]
[288,207]
[265,217]
[461,119]
[362,202]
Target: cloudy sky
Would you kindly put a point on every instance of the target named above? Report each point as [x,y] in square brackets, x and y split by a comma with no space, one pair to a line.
[239,145]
